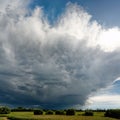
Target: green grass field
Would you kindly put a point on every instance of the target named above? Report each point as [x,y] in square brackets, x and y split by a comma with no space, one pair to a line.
[3,118]
[31,116]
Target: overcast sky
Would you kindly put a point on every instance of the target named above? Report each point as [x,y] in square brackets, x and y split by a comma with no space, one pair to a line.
[60,53]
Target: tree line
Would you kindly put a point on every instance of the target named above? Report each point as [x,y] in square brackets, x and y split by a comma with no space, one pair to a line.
[114,113]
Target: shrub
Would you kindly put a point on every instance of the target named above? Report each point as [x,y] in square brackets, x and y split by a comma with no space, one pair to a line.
[4,110]
[59,112]
[38,112]
[88,113]
[70,112]
[113,113]
[49,112]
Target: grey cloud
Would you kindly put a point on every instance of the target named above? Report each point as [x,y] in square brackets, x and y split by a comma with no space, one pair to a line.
[46,65]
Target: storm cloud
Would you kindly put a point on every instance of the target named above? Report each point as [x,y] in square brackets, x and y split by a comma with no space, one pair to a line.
[53,66]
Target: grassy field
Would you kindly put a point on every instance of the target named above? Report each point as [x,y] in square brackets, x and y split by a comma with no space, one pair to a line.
[31,116]
[3,118]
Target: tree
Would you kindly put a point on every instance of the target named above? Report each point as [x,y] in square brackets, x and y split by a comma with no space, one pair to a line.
[113,113]
[49,112]
[38,112]
[60,112]
[88,113]
[4,110]
[70,112]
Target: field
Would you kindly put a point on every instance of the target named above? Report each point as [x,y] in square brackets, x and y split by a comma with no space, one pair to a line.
[31,116]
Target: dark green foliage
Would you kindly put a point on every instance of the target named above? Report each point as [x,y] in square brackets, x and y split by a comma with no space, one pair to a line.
[99,110]
[88,113]
[113,113]
[59,112]
[20,118]
[4,110]
[70,112]
[38,112]
[21,109]
[49,112]
[80,110]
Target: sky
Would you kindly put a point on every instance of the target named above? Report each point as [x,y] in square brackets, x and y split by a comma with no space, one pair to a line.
[106,12]
[58,54]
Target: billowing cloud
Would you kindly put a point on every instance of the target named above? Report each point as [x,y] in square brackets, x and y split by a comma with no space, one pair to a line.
[106,98]
[53,66]
[104,102]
